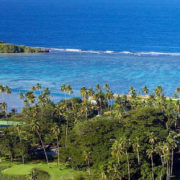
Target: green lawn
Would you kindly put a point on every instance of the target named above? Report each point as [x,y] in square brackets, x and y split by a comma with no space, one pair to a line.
[55,173]
[8,123]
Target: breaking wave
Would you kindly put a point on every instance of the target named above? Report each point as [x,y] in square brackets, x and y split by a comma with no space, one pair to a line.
[116,52]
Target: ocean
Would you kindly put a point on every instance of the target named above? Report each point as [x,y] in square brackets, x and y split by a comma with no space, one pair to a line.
[122,42]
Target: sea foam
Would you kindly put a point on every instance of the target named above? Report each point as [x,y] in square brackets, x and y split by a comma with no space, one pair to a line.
[151,53]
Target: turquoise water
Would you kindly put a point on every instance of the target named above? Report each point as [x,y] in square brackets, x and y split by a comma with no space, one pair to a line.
[122,42]
[121,71]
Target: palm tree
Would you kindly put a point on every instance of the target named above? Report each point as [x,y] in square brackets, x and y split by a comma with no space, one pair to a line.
[30,97]
[63,89]
[7,90]
[109,96]
[152,138]
[106,86]
[35,126]
[46,92]
[100,99]
[158,150]
[33,88]
[56,131]
[117,150]
[158,91]
[4,108]
[178,90]
[132,92]
[172,140]
[136,146]
[98,88]
[69,89]
[1,91]
[120,147]
[150,155]
[90,92]
[38,87]
[21,95]
[20,139]
[166,155]
[83,93]
[145,90]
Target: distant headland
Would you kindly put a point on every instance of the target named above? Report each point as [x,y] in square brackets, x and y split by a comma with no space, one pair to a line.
[12,48]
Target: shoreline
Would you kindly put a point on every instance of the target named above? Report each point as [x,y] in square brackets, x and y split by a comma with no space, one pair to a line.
[16,49]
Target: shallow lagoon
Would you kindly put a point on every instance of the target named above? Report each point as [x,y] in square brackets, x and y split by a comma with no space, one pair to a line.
[22,71]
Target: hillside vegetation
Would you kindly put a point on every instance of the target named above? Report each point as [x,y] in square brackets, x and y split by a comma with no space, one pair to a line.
[12,48]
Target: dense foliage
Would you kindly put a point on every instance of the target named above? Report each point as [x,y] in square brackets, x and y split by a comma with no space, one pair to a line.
[11,48]
[108,135]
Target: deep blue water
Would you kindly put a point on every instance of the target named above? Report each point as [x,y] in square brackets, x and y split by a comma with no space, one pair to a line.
[122,42]
[121,25]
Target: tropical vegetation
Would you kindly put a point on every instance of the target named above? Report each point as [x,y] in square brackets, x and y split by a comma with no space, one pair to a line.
[12,48]
[100,135]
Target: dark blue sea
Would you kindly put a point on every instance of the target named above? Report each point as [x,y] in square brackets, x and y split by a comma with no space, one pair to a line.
[122,42]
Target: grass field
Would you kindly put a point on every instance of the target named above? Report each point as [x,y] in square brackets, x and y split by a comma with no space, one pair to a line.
[9,123]
[56,173]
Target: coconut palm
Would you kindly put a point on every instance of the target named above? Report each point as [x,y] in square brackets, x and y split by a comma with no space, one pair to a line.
[132,92]
[109,96]
[38,87]
[46,92]
[21,95]
[7,90]
[90,92]
[178,91]
[19,131]
[100,99]
[172,140]
[150,155]
[145,90]
[56,132]
[167,159]
[152,138]
[136,146]
[158,91]
[4,108]
[106,86]
[158,150]
[119,148]
[2,89]
[33,88]
[98,88]
[30,97]
[69,89]
[35,126]
[63,89]
[83,93]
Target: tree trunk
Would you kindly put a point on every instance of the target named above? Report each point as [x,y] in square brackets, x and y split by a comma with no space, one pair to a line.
[43,147]
[152,164]
[172,161]
[167,172]
[86,112]
[89,170]
[21,145]
[138,156]
[162,161]
[129,175]
[58,151]
[66,133]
